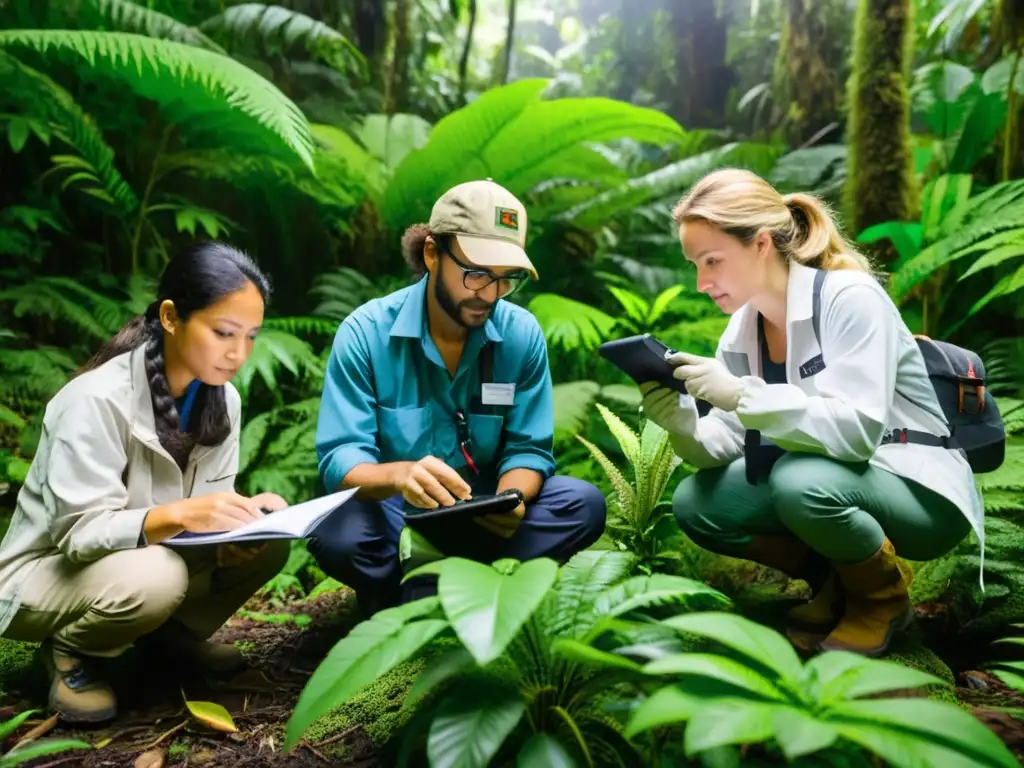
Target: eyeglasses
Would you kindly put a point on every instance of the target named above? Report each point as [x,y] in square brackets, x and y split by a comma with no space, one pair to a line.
[478,279]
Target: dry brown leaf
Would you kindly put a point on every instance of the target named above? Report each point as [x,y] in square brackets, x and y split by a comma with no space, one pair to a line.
[153,758]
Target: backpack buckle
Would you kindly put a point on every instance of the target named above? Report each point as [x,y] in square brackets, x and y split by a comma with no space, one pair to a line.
[979,394]
[896,436]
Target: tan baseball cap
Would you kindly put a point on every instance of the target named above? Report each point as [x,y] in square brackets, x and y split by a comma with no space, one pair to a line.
[488,221]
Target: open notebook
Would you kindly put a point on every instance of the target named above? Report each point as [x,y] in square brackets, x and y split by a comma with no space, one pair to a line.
[294,522]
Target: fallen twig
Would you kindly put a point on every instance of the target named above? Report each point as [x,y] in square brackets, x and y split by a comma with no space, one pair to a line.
[337,736]
[164,735]
[314,750]
[40,730]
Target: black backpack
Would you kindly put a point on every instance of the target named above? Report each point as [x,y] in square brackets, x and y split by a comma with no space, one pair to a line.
[958,378]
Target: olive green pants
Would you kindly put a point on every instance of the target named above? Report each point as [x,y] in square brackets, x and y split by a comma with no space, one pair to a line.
[841,510]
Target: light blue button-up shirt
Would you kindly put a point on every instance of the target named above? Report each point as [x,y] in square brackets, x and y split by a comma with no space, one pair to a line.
[388,395]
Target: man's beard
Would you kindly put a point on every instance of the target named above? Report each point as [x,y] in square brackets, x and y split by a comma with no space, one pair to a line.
[453,310]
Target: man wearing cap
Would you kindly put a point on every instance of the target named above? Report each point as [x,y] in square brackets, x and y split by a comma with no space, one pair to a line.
[440,391]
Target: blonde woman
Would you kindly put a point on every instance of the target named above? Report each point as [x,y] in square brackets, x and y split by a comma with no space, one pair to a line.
[796,470]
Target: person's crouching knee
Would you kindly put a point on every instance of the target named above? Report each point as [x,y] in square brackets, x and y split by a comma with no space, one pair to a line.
[150,584]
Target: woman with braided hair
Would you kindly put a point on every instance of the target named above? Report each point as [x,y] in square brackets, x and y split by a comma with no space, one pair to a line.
[139,446]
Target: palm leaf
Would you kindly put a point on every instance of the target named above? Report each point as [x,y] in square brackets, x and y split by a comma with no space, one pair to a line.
[568,608]
[127,16]
[207,95]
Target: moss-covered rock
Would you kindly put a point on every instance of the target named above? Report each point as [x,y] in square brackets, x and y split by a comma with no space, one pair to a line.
[326,586]
[15,665]
[910,651]
[377,708]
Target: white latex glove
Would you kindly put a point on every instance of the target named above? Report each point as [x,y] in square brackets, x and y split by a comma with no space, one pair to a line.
[661,405]
[708,379]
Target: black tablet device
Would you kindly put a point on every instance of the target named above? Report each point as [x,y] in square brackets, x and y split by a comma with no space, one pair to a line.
[493,504]
[643,359]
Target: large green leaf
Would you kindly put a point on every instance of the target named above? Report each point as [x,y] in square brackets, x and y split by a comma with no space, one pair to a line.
[728,722]
[372,648]
[544,751]
[940,197]
[207,95]
[760,643]
[931,721]
[740,677]
[986,117]
[572,400]
[840,675]
[487,608]
[389,138]
[512,135]
[798,733]
[470,728]
[667,706]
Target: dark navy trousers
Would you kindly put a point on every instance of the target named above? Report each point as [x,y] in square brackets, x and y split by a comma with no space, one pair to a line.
[358,543]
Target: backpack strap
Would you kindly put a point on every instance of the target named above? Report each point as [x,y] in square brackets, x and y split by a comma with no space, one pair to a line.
[819,280]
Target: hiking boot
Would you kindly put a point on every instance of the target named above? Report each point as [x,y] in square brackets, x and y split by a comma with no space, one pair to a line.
[877,604]
[176,643]
[77,693]
[823,610]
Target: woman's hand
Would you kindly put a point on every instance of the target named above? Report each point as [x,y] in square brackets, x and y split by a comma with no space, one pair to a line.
[216,512]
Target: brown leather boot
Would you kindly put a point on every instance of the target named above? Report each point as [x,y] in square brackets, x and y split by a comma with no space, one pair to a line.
[176,643]
[77,693]
[877,604]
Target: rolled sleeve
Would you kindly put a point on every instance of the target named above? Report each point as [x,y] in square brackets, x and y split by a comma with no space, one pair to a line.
[530,422]
[83,488]
[347,424]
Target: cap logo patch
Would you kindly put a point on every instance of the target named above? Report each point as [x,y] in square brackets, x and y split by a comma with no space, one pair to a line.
[507,218]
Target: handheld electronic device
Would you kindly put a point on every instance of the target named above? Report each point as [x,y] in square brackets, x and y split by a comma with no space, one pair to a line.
[491,504]
[643,359]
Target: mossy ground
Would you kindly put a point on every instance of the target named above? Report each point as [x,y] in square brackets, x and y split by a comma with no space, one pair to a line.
[286,640]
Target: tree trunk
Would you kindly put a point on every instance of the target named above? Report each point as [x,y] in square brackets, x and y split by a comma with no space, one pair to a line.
[396,98]
[371,30]
[510,34]
[807,69]
[703,78]
[464,59]
[881,184]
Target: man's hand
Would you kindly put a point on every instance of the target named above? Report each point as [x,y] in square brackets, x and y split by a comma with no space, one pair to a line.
[430,483]
[708,379]
[504,525]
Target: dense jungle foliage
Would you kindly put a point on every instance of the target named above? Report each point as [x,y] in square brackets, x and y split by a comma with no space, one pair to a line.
[312,133]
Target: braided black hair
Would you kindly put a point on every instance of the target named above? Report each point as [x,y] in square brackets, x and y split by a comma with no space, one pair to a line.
[193,281]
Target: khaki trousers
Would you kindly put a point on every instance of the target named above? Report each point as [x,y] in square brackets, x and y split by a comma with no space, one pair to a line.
[101,608]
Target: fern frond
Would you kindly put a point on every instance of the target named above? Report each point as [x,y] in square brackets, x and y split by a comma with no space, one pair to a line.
[276,349]
[127,16]
[623,489]
[569,608]
[627,439]
[341,292]
[33,93]
[570,323]
[1010,476]
[48,297]
[302,326]
[34,373]
[275,26]
[204,93]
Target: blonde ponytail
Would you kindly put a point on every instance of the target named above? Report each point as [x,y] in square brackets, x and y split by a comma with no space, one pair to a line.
[816,240]
[741,204]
